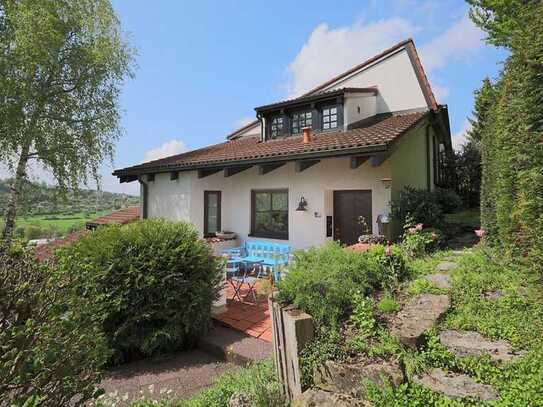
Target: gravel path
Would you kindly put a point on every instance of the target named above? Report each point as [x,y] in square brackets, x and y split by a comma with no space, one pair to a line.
[178,376]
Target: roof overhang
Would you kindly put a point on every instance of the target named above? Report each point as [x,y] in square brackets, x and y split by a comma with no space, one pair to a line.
[130,175]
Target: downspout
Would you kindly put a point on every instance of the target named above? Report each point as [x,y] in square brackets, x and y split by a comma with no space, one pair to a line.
[428,158]
[144,197]
[262,127]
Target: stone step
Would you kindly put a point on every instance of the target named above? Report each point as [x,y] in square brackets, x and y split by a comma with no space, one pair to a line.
[446,266]
[234,346]
[349,378]
[321,398]
[455,385]
[418,316]
[440,280]
[469,343]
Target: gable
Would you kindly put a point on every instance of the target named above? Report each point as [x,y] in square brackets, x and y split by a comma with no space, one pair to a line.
[396,72]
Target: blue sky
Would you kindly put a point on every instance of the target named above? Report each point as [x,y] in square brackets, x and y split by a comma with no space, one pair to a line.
[204,65]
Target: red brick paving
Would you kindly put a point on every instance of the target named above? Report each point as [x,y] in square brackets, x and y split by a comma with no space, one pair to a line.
[247,316]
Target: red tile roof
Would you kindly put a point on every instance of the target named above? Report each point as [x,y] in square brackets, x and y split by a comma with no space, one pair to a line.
[122,216]
[373,135]
[45,252]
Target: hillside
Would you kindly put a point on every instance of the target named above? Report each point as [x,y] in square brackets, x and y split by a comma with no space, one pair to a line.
[45,212]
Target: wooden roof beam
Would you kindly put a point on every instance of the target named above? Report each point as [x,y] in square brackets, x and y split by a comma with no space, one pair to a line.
[305,164]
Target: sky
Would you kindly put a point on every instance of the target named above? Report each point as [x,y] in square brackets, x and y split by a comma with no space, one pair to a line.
[202,66]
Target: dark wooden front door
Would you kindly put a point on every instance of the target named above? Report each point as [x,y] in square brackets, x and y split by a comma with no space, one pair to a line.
[348,207]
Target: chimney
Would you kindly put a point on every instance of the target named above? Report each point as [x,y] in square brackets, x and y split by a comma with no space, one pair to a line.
[307,135]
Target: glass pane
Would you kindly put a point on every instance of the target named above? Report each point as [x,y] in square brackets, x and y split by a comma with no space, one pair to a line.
[279,221]
[262,200]
[333,117]
[333,125]
[326,126]
[280,201]
[333,110]
[212,224]
[326,112]
[262,222]
[326,119]
[309,115]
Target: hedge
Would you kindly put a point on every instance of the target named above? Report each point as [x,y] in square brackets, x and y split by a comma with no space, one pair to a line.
[150,283]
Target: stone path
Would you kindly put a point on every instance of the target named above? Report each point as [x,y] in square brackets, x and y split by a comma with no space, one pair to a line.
[469,343]
[418,316]
[442,281]
[455,385]
[348,378]
[446,266]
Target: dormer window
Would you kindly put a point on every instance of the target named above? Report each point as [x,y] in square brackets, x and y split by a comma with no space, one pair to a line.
[276,128]
[300,120]
[329,118]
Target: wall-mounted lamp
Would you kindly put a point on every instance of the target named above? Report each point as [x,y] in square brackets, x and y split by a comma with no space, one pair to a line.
[387,182]
[302,206]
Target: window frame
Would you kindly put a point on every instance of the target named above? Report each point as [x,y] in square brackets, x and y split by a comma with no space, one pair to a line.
[270,235]
[280,129]
[322,116]
[206,212]
[300,112]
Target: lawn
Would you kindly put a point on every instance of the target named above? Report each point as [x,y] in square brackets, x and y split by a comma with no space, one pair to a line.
[469,218]
[59,222]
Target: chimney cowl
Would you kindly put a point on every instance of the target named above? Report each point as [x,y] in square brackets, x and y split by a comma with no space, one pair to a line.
[307,135]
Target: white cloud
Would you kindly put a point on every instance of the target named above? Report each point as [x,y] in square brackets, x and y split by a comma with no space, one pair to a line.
[171,147]
[458,42]
[328,52]
[460,137]
[244,121]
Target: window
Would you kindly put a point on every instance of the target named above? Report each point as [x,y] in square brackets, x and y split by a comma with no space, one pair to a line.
[269,213]
[329,118]
[212,213]
[276,127]
[301,120]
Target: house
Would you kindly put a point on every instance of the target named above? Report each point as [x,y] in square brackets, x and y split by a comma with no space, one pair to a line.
[307,168]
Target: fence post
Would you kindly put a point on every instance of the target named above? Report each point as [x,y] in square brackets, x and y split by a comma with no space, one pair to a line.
[292,329]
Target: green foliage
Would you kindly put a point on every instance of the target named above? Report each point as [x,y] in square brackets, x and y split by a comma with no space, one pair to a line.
[447,199]
[420,205]
[511,148]
[33,232]
[258,382]
[362,315]
[416,241]
[328,345]
[52,350]
[150,284]
[388,304]
[322,281]
[62,67]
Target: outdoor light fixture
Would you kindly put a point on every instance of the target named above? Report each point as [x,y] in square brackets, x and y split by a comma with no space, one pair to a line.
[387,182]
[302,205]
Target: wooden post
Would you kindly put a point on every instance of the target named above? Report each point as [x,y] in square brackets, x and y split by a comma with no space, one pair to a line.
[292,329]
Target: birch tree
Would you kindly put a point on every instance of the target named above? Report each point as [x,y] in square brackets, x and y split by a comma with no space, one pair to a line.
[62,65]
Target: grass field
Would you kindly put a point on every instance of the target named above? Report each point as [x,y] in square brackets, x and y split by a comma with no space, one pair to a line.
[60,223]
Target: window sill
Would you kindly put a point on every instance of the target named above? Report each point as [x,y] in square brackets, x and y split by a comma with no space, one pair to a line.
[266,236]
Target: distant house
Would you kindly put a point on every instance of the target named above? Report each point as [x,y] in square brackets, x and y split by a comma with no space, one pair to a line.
[307,168]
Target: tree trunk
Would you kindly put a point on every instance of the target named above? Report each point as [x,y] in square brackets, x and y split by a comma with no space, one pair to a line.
[14,191]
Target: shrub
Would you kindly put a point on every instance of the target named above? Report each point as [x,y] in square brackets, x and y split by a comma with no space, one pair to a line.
[417,241]
[52,351]
[448,200]
[421,205]
[33,232]
[151,284]
[321,281]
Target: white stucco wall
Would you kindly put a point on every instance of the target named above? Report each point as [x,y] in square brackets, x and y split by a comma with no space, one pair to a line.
[358,107]
[396,81]
[183,199]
